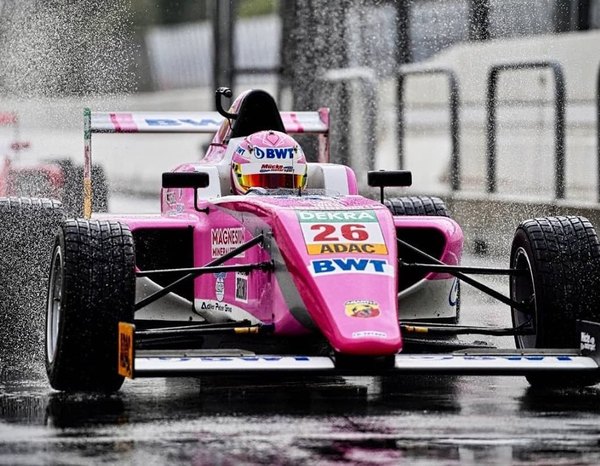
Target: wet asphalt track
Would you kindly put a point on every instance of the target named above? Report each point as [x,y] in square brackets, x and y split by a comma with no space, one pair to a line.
[416,420]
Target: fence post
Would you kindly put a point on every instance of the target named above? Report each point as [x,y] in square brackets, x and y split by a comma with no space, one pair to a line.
[559,120]
[454,104]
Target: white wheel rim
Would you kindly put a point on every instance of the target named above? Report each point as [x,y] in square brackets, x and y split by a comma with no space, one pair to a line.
[54,305]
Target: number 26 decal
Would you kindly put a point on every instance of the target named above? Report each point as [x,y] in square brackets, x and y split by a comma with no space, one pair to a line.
[349,232]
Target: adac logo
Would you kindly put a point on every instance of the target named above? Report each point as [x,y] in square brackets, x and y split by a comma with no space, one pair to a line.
[274,153]
[362,309]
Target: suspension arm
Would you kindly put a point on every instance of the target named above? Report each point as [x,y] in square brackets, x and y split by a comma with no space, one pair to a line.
[434,329]
[209,269]
[463,269]
[522,307]
[218,261]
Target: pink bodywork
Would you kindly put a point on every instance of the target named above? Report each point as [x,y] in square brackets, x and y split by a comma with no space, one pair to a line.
[341,267]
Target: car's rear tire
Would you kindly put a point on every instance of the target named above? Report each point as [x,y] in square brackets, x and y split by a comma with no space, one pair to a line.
[91,290]
[417,205]
[561,260]
[27,230]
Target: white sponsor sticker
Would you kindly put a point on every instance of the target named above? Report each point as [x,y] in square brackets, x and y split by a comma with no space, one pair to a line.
[220,285]
[351,231]
[225,240]
[241,286]
[588,342]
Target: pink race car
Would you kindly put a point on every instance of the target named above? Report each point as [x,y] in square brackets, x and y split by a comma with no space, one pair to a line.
[262,262]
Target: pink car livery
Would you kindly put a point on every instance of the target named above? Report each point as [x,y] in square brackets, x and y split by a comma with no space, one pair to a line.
[317,280]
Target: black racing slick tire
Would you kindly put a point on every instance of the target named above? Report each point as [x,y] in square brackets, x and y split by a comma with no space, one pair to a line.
[91,290]
[417,205]
[560,259]
[27,230]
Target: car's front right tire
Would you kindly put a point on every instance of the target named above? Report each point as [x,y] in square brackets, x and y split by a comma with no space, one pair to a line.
[559,260]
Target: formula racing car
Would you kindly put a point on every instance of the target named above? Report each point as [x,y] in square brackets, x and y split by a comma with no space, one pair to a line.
[261,262]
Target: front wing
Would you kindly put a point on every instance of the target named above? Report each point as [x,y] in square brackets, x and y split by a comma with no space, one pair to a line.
[161,363]
[146,365]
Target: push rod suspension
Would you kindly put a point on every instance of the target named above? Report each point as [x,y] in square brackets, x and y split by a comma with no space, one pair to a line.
[463,269]
[200,325]
[467,330]
[218,261]
[523,307]
[197,331]
[208,269]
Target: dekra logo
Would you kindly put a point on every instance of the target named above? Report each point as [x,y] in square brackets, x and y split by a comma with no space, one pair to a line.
[274,153]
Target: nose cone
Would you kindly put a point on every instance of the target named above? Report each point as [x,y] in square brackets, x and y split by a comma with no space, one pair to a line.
[345,265]
[356,312]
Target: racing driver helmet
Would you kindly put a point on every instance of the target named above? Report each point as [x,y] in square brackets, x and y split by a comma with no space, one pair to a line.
[269,160]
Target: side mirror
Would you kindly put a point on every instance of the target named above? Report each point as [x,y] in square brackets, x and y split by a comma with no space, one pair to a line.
[185,180]
[393,178]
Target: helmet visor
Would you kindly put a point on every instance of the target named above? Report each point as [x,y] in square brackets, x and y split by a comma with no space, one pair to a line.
[271,180]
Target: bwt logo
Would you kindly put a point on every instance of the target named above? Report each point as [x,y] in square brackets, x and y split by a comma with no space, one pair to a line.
[274,153]
[351,265]
[181,122]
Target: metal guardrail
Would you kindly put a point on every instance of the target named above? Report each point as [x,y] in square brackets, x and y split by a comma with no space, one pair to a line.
[367,81]
[559,120]
[454,103]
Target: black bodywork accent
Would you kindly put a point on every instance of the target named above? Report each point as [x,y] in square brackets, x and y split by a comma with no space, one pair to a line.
[428,240]
[166,249]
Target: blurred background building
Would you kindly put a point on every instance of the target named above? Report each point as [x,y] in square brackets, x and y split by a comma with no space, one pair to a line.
[55,45]
[345,54]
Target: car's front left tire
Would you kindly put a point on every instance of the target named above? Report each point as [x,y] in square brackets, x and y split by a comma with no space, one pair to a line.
[91,290]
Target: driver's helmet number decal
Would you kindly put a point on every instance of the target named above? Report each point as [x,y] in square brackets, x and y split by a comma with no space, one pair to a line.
[341,231]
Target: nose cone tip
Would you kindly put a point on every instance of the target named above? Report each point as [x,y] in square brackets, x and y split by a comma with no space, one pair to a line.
[368,343]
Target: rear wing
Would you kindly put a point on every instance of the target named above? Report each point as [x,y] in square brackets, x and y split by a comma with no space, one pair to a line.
[185,122]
